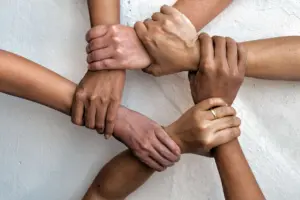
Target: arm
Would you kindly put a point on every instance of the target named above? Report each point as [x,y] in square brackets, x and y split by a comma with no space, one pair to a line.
[132,54]
[221,74]
[201,12]
[104,12]
[275,58]
[25,79]
[237,178]
[116,182]
[99,94]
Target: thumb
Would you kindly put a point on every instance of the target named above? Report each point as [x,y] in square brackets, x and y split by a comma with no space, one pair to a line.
[154,70]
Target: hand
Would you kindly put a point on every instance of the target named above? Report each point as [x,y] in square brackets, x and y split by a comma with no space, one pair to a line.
[221,70]
[171,40]
[97,99]
[198,130]
[148,140]
[115,47]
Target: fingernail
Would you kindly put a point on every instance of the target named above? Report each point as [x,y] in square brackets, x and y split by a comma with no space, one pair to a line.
[107,136]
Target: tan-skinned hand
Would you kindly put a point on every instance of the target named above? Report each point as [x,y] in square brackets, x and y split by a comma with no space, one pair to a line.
[97,100]
[221,69]
[171,41]
[199,130]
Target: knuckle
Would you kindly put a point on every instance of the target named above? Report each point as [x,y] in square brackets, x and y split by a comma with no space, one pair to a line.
[207,143]
[115,28]
[103,100]
[212,101]
[81,94]
[207,64]
[116,39]
[119,51]
[93,97]
[167,23]
[145,147]
[202,126]
[110,119]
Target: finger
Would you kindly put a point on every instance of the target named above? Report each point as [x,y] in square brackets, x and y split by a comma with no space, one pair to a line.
[225,136]
[78,109]
[98,43]
[95,32]
[174,151]
[225,122]
[150,162]
[110,118]
[90,116]
[105,64]
[154,70]
[100,54]
[242,58]
[168,10]
[100,117]
[221,112]
[231,52]
[148,22]
[211,103]
[220,47]
[160,159]
[158,16]
[206,47]
[140,29]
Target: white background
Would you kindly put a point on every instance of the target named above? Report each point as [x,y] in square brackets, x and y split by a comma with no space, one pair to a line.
[44,156]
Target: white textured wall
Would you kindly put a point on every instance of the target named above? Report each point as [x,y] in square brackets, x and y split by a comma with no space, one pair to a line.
[43,156]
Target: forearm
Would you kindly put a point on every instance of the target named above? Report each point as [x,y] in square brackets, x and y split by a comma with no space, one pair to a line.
[104,12]
[237,178]
[123,175]
[201,12]
[23,78]
[275,58]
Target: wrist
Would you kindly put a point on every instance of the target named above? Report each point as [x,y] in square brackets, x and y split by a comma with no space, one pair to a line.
[171,130]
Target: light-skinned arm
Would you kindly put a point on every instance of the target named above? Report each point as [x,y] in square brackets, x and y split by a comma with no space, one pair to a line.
[98,97]
[274,58]
[135,130]
[199,13]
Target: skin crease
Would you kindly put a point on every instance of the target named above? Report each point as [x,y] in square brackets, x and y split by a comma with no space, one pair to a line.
[265,58]
[190,8]
[221,71]
[99,108]
[227,59]
[135,130]
[98,98]
[193,131]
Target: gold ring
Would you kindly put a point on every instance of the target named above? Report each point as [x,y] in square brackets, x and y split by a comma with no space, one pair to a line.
[214,113]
